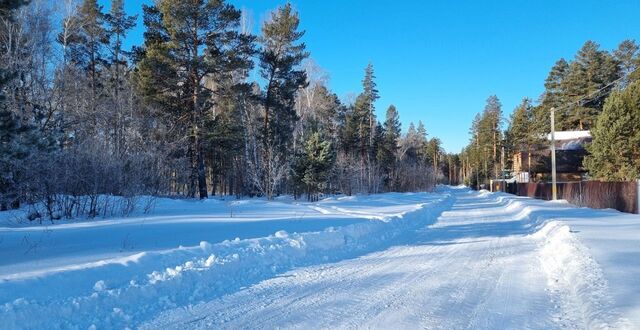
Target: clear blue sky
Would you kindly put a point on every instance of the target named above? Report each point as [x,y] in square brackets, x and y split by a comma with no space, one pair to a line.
[438,61]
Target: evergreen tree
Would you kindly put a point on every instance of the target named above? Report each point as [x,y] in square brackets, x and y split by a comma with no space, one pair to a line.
[7,11]
[281,54]
[11,128]
[627,56]
[313,167]
[433,152]
[486,140]
[86,50]
[521,134]
[411,146]
[421,135]
[615,151]
[371,96]
[554,97]
[186,42]
[386,155]
[349,131]
[519,126]
[378,141]
[587,84]
[491,129]
[361,116]
[118,24]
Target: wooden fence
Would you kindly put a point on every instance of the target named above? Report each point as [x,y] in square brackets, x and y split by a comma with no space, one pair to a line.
[622,196]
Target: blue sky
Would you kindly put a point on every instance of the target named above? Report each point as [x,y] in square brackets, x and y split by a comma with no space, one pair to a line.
[438,61]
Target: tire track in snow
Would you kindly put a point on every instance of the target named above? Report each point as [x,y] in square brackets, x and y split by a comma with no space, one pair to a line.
[460,273]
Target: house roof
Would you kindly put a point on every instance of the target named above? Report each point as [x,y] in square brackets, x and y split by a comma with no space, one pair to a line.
[570,135]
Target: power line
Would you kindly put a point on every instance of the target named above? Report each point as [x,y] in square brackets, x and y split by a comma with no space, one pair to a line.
[593,94]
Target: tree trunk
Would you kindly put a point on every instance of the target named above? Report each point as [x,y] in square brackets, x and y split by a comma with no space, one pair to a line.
[197,119]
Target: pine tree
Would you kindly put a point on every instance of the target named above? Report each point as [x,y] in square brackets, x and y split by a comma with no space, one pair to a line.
[627,56]
[433,151]
[386,154]
[475,154]
[519,126]
[521,133]
[364,115]
[364,138]
[186,42]
[591,71]
[378,141]
[349,131]
[614,154]
[281,54]
[554,97]
[411,145]
[86,50]
[491,127]
[361,115]
[421,135]
[370,92]
[118,24]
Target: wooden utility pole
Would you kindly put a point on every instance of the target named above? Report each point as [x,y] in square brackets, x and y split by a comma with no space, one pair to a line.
[504,184]
[554,189]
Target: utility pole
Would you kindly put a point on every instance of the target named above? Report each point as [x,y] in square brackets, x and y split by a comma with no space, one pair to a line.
[478,163]
[504,183]
[554,189]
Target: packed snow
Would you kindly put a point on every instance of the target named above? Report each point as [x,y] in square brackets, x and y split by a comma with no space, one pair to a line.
[454,258]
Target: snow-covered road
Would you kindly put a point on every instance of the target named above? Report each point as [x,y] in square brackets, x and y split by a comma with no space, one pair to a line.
[482,265]
[447,260]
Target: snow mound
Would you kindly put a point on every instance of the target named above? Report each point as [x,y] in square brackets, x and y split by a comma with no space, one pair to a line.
[576,277]
[160,280]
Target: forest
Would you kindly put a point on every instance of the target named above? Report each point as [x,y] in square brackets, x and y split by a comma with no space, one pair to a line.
[203,107]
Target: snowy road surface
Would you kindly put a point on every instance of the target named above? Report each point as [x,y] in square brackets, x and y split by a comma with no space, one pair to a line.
[447,260]
[480,266]
[450,276]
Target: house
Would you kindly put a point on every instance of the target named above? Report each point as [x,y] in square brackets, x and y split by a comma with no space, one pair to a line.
[570,152]
[521,166]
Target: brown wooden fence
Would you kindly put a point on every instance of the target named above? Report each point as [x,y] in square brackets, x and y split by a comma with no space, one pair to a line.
[622,196]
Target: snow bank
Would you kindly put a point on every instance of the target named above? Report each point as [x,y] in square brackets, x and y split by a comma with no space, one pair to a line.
[565,235]
[117,295]
[577,278]
[590,257]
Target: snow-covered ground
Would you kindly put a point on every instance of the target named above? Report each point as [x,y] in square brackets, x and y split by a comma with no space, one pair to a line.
[450,259]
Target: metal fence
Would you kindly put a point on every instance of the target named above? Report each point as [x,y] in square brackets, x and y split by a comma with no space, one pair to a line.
[622,196]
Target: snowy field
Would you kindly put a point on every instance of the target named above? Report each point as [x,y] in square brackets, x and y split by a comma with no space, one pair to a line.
[450,259]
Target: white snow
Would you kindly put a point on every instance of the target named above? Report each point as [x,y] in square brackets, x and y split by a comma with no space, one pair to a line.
[569,135]
[79,274]
[451,259]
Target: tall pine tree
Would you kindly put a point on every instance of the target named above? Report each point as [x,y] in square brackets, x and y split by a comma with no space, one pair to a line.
[386,154]
[186,42]
[87,52]
[280,56]
[587,84]
[627,56]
